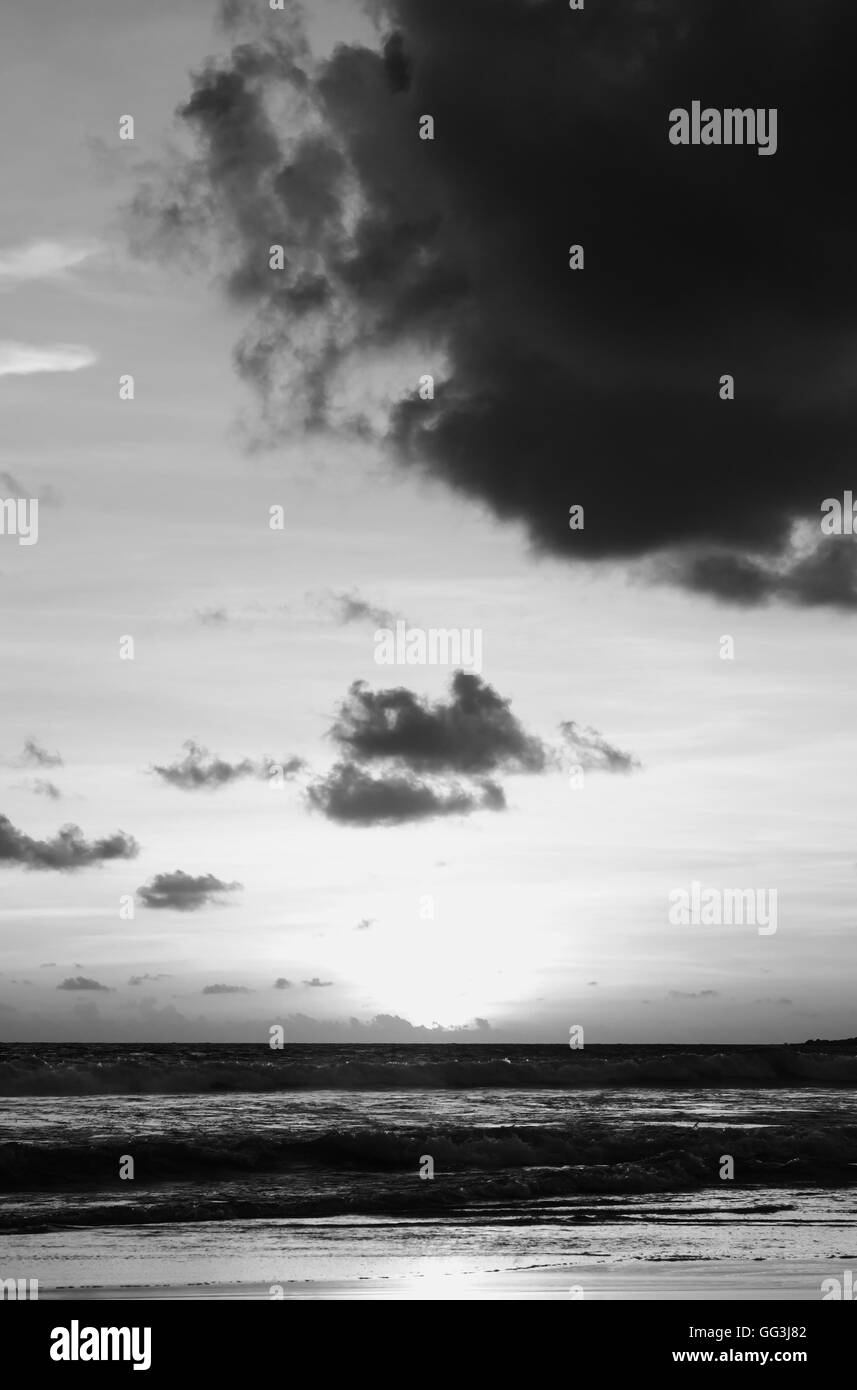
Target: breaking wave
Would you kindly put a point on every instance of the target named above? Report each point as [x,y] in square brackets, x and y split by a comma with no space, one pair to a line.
[57,1072]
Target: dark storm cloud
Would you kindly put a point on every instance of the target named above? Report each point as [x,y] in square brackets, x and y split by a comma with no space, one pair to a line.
[81,982]
[197,771]
[184,891]
[68,850]
[226,989]
[473,732]
[593,753]
[596,387]
[350,795]
[826,576]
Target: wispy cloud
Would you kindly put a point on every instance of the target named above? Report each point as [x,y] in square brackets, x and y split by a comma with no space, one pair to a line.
[38,260]
[34,755]
[353,608]
[41,786]
[23,359]
[197,771]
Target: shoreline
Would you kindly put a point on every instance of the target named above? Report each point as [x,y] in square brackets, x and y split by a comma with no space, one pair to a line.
[695,1281]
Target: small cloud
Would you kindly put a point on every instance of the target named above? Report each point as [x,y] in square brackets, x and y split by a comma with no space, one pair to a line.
[768,1000]
[198,771]
[138,979]
[184,892]
[592,982]
[365,923]
[226,989]
[67,851]
[48,965]
[316,983]
[212,617]
[683,994]
[40,786]
[48,497]
[33,755]
[21,359]
[81,982]
[473,732]
[282,983]
[351,796]
[587,749]
[352,608]
[39,260]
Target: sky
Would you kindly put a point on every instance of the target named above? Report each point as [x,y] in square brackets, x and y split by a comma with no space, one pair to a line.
[427,863]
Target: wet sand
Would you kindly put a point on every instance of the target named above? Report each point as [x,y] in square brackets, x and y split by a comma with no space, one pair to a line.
[725,1280]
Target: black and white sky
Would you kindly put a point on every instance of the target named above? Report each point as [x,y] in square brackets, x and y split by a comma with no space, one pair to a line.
[380,852]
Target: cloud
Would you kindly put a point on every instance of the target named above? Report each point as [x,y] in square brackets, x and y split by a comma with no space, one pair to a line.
[365,924]
[197,772]
[68,850]
[226,989]
[193,772]
[427,747]
[139,979]
[593,753]
[597,387]
[212,617]
[473,732]
[184,892]
[40,786]
[350,795]
[12,487]
[351,608]
[38,260]
[388,1028]
[316,983]
[81,982]
[34,755]
[768,1000]
[20,359]
[282,983]
[703,994]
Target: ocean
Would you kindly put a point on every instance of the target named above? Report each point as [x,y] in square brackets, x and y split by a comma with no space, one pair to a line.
[427,1171]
